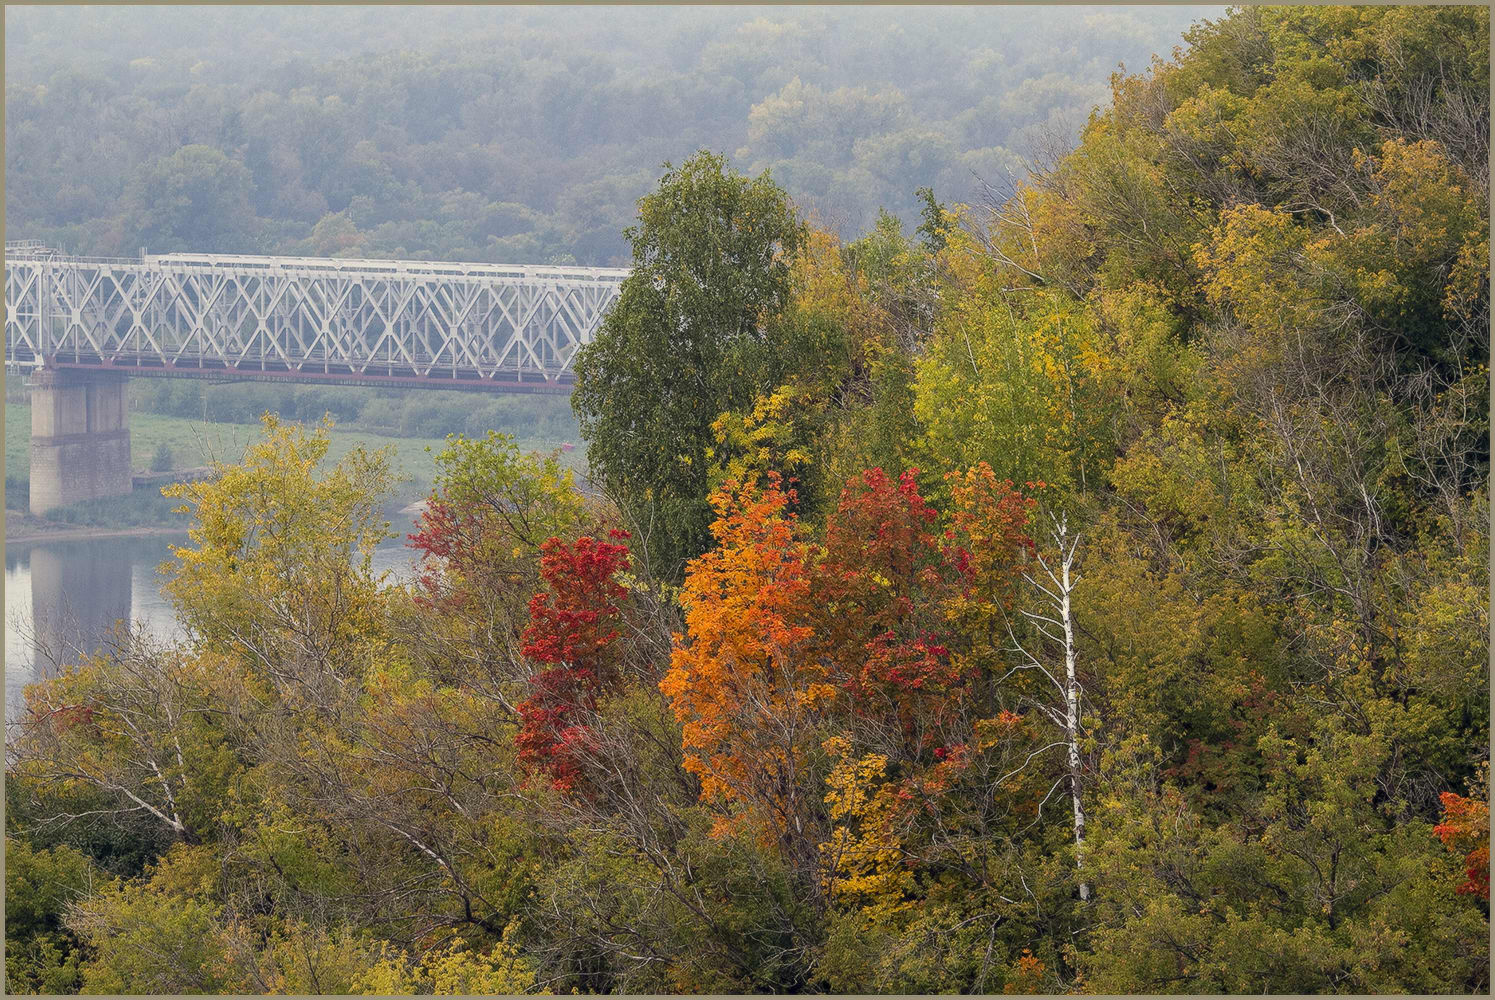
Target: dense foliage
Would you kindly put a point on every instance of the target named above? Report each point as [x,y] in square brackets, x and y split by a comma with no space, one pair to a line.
[519,134]
[685,342]
[1104,609]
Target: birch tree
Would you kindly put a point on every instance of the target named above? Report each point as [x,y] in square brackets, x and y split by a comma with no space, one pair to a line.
[1054,621]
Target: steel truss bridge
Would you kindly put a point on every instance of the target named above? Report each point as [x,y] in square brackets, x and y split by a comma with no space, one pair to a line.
[304,319]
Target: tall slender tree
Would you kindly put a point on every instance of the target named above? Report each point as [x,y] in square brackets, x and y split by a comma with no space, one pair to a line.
[690,338]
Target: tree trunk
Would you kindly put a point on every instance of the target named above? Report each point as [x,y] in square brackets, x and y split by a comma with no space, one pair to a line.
[1072,721]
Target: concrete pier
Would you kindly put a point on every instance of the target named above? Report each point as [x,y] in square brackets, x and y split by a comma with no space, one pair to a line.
[80,437]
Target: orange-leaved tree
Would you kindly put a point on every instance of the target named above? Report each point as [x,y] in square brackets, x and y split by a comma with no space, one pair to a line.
[744,679]
[1466,830]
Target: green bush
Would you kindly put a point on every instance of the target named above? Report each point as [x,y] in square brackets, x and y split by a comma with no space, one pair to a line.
[162,460]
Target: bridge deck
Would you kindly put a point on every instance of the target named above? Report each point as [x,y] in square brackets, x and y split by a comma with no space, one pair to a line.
[433,324]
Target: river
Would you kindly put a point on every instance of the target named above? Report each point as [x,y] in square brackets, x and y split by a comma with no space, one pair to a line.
[69,594]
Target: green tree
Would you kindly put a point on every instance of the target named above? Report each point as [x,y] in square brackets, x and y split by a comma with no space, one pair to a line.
[935,227]
[41,955]
[195,199]
[161,460]
[691,337]
[158,935]
[1311,888]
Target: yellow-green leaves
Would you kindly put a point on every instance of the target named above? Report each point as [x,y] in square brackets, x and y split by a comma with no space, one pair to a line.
[1017,382]
[279,572]
[453,970]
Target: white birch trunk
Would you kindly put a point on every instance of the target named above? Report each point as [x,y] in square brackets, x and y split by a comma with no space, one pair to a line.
[1056,623]
[1072,710]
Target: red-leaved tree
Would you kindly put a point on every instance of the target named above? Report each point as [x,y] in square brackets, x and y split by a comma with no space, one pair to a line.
[880,590]
[572,625]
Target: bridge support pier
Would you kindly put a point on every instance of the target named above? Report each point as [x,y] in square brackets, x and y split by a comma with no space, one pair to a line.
[80,437]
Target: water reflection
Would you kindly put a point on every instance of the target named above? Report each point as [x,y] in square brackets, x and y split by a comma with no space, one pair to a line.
[63,599]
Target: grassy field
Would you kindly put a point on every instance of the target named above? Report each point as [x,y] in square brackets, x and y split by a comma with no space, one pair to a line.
[197,442]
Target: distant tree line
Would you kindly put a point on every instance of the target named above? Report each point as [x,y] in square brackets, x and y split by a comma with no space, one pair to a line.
[384,411]
[518,134]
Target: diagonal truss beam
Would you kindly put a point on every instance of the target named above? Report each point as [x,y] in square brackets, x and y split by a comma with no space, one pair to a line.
[419,322]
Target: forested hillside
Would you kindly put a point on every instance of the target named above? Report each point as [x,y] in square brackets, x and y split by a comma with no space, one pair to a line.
[518,133]
[1086,592]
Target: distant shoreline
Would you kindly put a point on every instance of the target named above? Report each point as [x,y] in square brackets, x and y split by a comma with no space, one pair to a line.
[30,534]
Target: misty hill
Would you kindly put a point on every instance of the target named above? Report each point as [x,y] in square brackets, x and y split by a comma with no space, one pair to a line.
[522,133]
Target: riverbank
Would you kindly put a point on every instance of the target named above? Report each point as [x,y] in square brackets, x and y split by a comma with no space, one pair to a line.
[181,445]
[139,516]
[23,529]
[188,447]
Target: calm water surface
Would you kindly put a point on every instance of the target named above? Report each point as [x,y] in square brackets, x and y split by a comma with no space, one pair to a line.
[69,595]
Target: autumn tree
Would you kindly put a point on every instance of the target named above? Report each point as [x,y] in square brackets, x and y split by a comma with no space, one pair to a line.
[745,681]
[480,538]
[572,626]
[1466,830]
[278,572]
[880,589]
[139,729]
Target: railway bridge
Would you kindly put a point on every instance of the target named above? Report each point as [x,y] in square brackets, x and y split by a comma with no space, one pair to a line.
[81,327]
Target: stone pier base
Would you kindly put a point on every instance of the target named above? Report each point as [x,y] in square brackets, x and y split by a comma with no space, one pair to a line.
[80,437]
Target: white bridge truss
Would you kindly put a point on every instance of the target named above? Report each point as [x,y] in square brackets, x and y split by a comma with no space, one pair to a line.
[305,319]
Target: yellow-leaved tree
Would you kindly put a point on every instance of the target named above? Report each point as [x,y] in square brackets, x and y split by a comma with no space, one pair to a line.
[279,572]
